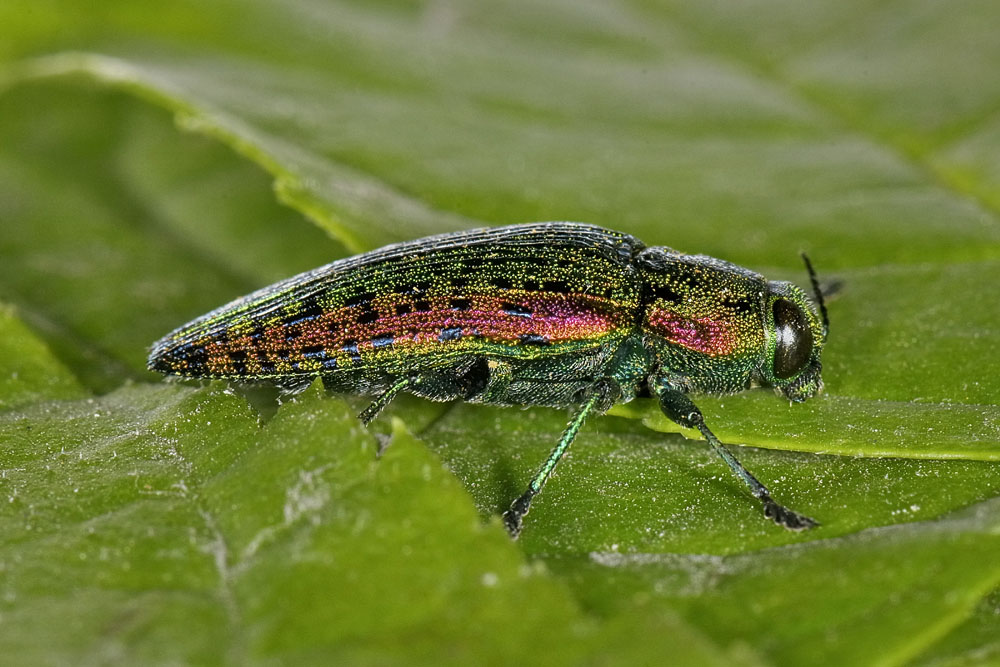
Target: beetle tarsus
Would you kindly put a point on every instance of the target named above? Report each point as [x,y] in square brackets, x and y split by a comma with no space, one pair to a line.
[513,518]
[785,517]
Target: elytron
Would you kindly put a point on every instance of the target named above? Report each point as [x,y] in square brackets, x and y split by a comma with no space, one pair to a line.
[556,314]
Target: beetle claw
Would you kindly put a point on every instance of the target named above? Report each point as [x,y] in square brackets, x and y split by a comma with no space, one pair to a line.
[786,518]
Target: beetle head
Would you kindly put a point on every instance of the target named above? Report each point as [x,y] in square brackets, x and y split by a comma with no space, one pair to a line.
[796,333]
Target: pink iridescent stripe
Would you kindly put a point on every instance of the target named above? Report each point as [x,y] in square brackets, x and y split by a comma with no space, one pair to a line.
[558,319]
[555,317]
[701,334]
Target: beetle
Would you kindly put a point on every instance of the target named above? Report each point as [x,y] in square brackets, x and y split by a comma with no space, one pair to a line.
[556,314]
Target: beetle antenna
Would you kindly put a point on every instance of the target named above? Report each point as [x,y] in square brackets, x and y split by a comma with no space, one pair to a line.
[819,294]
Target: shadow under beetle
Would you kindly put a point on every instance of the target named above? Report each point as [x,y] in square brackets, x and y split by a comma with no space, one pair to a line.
[558,314]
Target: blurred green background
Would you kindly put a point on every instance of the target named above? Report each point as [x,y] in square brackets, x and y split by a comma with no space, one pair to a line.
[158,159]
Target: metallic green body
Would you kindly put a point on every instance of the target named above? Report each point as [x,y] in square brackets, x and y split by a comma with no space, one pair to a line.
[557,314]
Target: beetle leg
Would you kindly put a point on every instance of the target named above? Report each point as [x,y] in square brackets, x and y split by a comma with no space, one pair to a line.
[680,409]
[371,412]
[598,397]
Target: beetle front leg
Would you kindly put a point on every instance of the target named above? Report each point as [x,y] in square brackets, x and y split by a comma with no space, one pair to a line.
[680,409]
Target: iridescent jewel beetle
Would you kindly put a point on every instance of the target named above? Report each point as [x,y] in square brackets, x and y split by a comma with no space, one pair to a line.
[558,314]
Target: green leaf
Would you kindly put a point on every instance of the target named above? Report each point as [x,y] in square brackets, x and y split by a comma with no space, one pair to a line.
[28,371]
[123,254]
[156,162]
[166,524]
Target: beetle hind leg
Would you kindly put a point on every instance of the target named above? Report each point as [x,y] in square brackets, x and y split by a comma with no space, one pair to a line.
[465,380]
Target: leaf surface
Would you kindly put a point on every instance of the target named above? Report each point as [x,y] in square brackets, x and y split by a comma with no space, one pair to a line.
[156,162]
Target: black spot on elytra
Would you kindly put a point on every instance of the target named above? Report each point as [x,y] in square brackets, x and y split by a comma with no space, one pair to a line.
[195,356]
[558,286]
[238,355]
[403,308]
[368,317]
[460,283]
[358,299]
[515,309]
[314,352]
[415,288]
[534,339]
[309,310]
[239,366]
[266,367]
[330,364]
[385,340]
[532,285]
[501,283]
[460,304]
[422,306]
[450,333]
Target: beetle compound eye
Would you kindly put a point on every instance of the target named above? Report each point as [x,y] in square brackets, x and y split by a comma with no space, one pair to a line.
[795,340]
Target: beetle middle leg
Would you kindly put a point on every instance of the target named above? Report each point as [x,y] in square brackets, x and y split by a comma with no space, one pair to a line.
[597,398]
[465,379]
[368,415]
[680,409]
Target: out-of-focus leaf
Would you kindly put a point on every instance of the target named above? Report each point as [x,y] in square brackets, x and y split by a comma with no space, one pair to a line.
[861,131]
[28,372]
[164,524]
